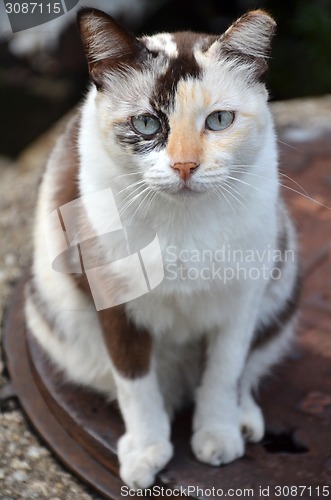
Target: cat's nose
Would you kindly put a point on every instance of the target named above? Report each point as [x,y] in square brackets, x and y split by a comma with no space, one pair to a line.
[185,169]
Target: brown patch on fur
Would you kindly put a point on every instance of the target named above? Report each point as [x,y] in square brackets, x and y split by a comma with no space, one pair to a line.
[266,334]
[179,68]
[67,173]
[129,348]
[67,189]
[282,246]
[100,32]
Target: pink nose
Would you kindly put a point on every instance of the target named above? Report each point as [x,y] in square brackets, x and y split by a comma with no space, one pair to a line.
[184,170]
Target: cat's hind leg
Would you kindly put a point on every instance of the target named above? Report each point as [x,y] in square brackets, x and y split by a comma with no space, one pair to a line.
[262,358]
[71,338]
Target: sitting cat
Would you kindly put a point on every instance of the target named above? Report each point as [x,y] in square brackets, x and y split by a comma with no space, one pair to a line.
[176,132]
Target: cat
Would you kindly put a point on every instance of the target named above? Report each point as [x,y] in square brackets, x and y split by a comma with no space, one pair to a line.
[177,129]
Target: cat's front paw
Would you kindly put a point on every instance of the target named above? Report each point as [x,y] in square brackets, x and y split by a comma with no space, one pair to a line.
[140,464]
[216,447]
[252,423]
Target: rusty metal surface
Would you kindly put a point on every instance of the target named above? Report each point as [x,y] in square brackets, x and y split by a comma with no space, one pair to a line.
[82,429]
[49,425]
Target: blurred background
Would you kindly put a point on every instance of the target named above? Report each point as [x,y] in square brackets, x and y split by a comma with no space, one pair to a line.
[43,71]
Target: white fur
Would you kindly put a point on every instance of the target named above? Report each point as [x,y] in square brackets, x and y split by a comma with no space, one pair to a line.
[163,42]
[145,448]
[181,314]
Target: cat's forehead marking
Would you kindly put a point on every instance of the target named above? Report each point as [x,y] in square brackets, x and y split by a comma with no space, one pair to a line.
[163,42]
[182,67]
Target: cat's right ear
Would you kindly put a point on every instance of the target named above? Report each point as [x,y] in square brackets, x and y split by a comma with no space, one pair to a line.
[248,41]
[107,44]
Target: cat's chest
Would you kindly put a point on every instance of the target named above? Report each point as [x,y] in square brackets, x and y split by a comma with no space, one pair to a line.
[180,316]
[208,261]
[196,295]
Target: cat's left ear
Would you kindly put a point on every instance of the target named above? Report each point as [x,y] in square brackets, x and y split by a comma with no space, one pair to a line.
[249,40]
[107,44]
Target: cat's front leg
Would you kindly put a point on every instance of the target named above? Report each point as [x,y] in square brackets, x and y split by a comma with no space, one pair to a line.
[145,447]
[217,437]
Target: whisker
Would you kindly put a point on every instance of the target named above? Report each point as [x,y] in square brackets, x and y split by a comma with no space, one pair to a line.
[134,184]
[134,191]
[221,192]
[304,194]
[295,182]
[154,195]
[122,210]
[289,146]
[246,183]
[125,175]
[265,177]
[259,190]
[229,186]
[140,204]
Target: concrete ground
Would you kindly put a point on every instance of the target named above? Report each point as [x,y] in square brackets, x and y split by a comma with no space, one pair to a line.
[27,469]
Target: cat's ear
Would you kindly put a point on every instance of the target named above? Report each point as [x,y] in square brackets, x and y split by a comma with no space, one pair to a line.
[107,44]
[249,40]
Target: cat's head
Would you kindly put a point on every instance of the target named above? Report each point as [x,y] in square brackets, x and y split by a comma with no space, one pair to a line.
[181,109]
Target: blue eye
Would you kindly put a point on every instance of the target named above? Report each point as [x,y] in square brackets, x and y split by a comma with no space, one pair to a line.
[147,125]
[219,120]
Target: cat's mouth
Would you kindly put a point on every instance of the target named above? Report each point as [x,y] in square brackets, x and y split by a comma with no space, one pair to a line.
[187,189]
[182,189]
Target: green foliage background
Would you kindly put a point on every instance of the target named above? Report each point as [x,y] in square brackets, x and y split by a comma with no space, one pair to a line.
[301,62]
